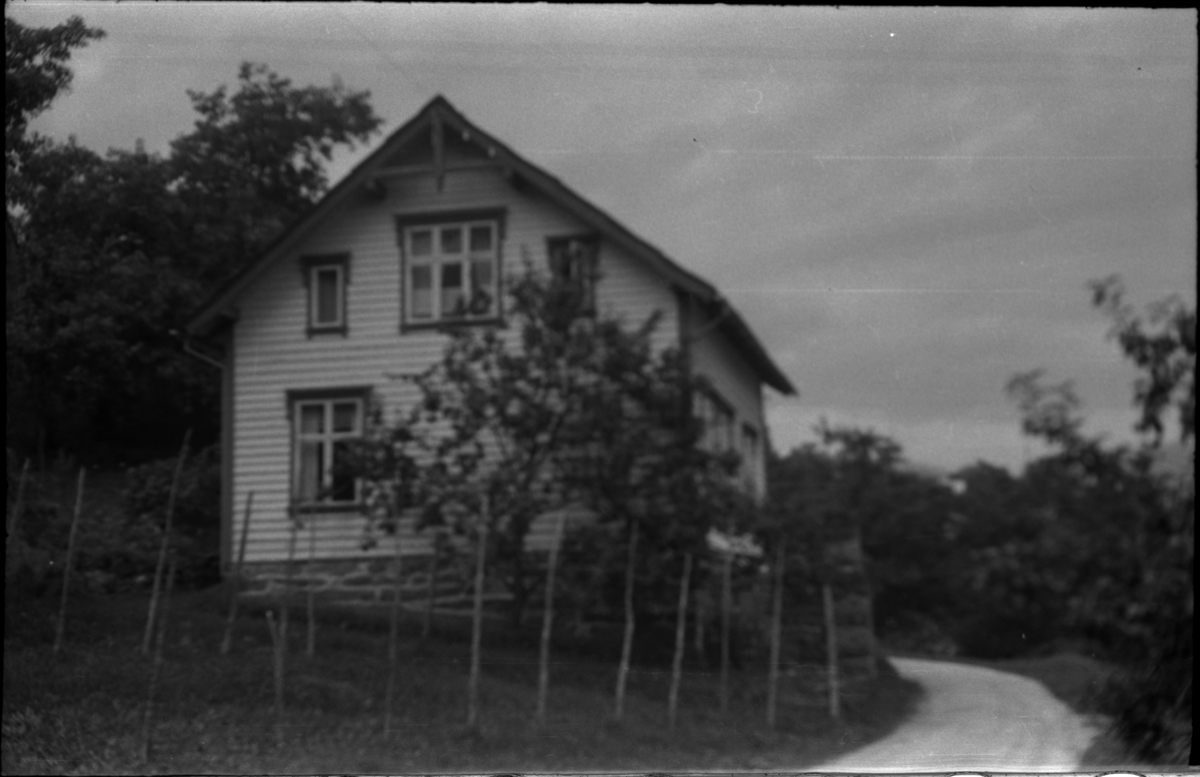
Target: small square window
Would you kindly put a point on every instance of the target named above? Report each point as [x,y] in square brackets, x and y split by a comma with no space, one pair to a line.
[325,280]
[573,265]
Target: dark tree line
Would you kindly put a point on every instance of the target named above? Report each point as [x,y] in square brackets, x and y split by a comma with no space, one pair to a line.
[115,249]
[1089,548]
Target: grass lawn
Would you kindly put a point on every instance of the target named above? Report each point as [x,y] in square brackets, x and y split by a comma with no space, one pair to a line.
[82,713]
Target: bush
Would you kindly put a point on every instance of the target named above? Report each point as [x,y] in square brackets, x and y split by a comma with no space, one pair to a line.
[120,530]
[196,524]
[1151,709]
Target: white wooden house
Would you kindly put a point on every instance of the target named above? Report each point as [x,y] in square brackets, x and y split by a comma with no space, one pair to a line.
[416,238]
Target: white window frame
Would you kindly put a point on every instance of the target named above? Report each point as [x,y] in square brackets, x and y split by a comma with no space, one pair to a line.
[751,446]
[313,267]
[315,296]
[574,260]
[328,438]
[439,259]
[719,421]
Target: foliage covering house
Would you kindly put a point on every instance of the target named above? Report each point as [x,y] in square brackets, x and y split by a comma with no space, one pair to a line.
[415,240]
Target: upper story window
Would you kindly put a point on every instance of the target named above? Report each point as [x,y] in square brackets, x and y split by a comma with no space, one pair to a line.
[573,263]
[325,279]
[324,423]
[717,417]
[451,267]
[750,452]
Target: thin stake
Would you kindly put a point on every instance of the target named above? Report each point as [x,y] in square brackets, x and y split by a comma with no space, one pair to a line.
[18,508]
[393,636]
[227,642]
[831,649]
[548,623]
[726,612]
[477,621]
[62,607]
[152,613]
[431,589]
[278,641]
[156,666]
[627,642]
[680,639]
[776,638]
[312,615]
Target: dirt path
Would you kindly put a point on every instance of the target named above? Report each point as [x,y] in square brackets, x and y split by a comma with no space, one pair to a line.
[979,719]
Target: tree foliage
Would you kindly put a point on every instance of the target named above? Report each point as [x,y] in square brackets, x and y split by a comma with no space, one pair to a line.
[35,72]
[116,249]
[557,411]
[1113,552]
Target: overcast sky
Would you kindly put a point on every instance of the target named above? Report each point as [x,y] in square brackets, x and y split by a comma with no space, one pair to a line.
[905,204]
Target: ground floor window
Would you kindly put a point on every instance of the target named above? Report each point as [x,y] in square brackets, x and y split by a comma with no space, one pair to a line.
[323,427]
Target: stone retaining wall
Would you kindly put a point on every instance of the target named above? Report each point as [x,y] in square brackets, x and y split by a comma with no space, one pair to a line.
[360,580]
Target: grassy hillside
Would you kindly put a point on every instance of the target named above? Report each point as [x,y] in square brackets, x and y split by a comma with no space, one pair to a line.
[82,712]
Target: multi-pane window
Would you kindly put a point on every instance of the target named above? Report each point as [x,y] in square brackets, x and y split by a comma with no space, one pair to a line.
[717,417]
[750,452]
[573,263]
[325,280]
[451,272]
[323,429]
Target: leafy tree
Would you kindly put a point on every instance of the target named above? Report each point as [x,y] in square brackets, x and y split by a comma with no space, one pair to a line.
[255,161]
[1116,551]
[35,72]
[116,250]
[1162,345]
[854,484]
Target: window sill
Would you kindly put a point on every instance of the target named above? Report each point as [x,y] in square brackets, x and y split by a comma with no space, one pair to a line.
[315,331]
[450,325]
[318,509]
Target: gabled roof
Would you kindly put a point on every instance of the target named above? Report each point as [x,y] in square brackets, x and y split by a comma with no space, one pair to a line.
[439,112]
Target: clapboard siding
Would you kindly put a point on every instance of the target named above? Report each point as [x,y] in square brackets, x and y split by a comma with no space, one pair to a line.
[273,353]
[734,379]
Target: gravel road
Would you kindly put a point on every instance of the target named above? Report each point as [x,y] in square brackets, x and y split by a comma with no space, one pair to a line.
[973,718]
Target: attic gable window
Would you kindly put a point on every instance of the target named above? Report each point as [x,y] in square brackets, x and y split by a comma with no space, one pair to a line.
[325,279]
[451,268]
[750,453]
[573,263]
[717,417]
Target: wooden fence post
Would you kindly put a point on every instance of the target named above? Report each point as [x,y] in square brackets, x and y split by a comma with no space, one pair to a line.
[393,634]
[312,604]
[726,614]
[831,648]
[627,642]
[680,637]
[776,637]
[227,641]
[70,561]
[18,507]
[156,667]
[548,624]
[152,613]
[477,620]
[279,642]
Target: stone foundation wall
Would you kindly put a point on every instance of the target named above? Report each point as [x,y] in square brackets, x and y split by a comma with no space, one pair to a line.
[362,580]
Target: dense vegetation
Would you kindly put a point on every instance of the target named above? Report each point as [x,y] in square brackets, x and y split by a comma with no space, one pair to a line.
[115,250]
[1090,548]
